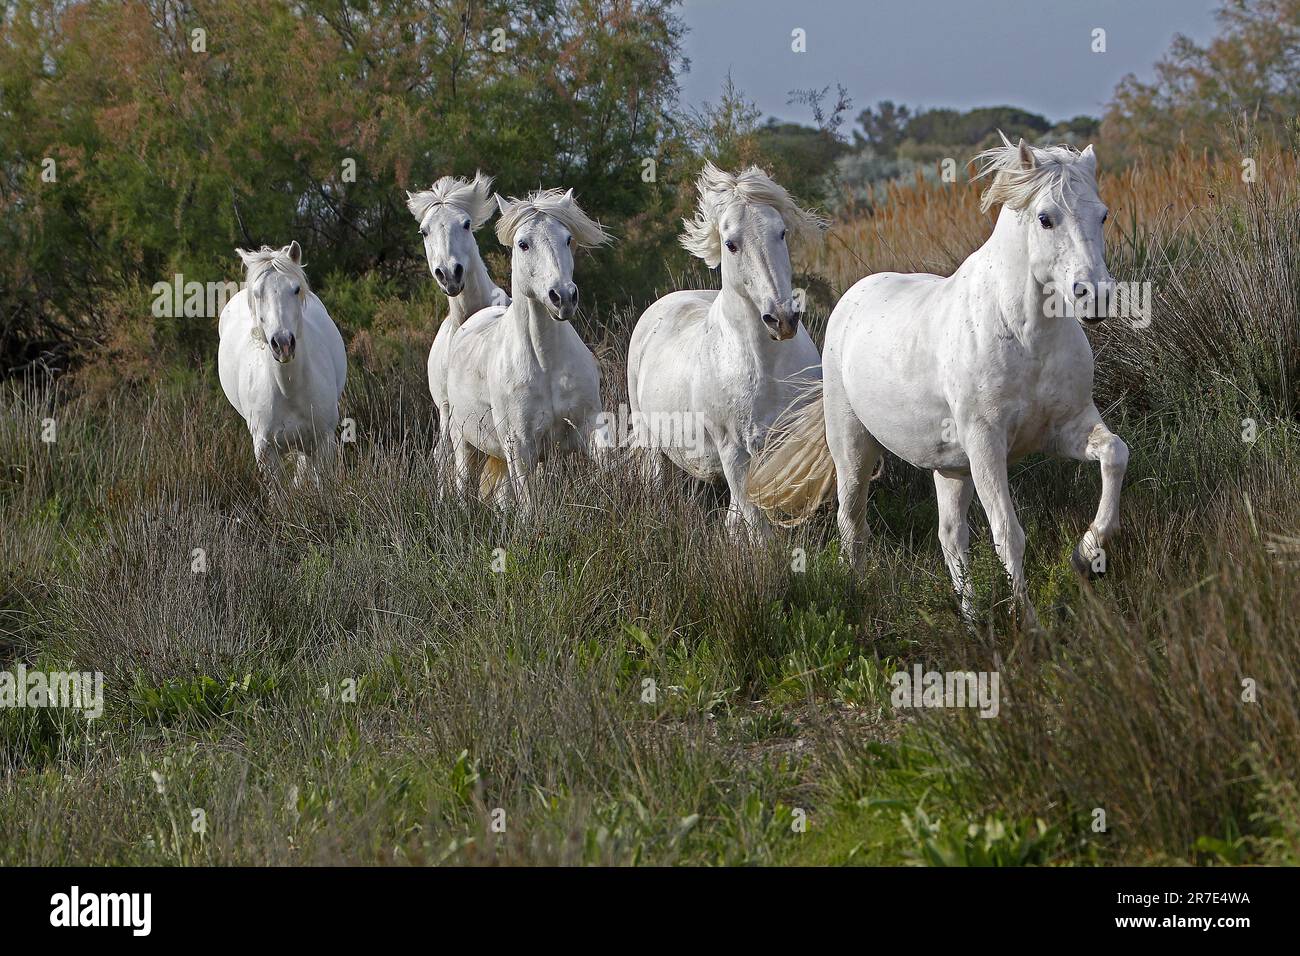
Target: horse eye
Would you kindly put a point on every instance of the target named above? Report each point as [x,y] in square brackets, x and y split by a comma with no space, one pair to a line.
[569,241]
[731,246]
[297,289]
[1045,219]
[424,232]
[1104,216]
[783,235]
[465,224]
[523,244]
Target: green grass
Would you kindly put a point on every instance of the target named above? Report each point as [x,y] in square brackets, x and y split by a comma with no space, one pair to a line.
[350,681]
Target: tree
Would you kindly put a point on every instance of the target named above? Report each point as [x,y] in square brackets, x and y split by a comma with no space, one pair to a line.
[1251,68]
[884,127]
[240,122]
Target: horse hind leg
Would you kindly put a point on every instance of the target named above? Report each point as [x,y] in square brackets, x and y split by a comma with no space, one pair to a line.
[857,456]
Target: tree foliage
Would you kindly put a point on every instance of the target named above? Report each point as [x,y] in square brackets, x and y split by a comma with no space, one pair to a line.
[1251,70]
[178,130]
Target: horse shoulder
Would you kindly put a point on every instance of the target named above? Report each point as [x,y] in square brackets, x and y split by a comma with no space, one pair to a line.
[235,347]
[235,314]
[325,331]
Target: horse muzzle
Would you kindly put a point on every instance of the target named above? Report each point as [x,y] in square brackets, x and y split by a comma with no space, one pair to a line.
[563,300]
[451,280]
[782,327]
[283,345]
[1093,301]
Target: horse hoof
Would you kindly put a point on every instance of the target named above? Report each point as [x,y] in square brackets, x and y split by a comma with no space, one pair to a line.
[1083,566]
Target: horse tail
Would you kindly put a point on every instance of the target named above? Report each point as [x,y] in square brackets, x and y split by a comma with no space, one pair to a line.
[794,473]
[494,472]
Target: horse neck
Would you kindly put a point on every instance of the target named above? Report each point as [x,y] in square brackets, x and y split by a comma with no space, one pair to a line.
[742,326]
[999,271]
[533,322]
[476,295]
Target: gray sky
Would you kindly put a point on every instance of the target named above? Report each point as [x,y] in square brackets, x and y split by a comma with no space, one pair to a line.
[1035,54]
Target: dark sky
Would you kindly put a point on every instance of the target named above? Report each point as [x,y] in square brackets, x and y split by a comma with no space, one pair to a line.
[1034,54]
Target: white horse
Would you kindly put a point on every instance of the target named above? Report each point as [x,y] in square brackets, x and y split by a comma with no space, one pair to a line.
[963,375]
[729,361]
[282,363]
[522,379]
[449,212]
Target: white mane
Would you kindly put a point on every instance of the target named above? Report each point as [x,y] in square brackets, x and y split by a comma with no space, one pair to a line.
[557,204]
[471,196]
[1017,186]
[720,189]
[266,260]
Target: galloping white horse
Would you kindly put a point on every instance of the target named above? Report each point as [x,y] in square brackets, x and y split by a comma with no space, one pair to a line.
[282,363]
[731,360]
[965,374]
[522,379]
[449,212]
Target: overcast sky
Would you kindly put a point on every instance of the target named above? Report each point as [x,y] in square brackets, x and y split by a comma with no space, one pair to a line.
[1034,54]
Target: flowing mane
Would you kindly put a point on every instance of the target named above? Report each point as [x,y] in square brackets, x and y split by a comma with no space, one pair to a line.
[559,205]
[1060,169]
[266,260]
[719,189]
[471,196]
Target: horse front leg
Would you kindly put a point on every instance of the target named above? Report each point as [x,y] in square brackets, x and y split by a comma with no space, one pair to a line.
[323,460]
[467,463]
[954,496]
[268,459]
[743,516]
[523,454]
[988,466]
[1088,439]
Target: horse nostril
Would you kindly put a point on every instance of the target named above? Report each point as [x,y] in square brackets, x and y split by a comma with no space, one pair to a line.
[555,298]
[1080,290]
[769,319]
[460,270]
[437,274]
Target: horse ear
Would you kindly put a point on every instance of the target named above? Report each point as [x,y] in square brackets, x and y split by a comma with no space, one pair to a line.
[568,196]
[1089,156]
[295,252]
[1026,155]
[244,255]
[502,205]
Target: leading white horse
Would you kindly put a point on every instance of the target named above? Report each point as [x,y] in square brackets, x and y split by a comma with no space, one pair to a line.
[729,361]
[962,375]
[282,363]
[449,212]
[522,380]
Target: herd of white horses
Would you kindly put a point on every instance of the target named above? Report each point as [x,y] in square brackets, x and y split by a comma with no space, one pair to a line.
[959,375]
